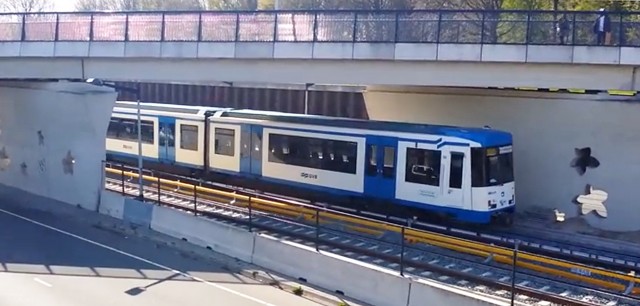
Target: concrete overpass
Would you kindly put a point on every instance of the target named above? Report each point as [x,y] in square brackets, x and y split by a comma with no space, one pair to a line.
[394,54]
[416,48]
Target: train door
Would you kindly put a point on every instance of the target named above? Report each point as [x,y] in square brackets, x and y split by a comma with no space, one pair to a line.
[166,139]
[380,170]
[245,148]
[453,182]
[256,150]
[251,149]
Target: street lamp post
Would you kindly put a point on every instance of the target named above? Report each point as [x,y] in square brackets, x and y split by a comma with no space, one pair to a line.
[135,91]
[306,97]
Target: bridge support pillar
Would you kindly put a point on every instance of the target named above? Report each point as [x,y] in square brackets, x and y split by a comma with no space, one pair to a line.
[52,140]
[547,129]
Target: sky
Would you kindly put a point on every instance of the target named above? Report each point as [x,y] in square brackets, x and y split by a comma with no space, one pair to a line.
[64,5]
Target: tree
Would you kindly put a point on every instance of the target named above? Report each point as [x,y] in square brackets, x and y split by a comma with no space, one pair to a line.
[133,5]
[25,5]
[232,4]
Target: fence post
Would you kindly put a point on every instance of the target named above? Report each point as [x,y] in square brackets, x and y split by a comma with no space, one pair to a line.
[513,274]
[573,30]
[122,177]
[250,216]
[200,27]
[439,28]
[56,34]
[317,230]
[126,28]
[355,27]
[91,28]
[315,27]
[23,35]
[402,251]
[195,200]
[275,28]
[620,31]
[395,35]
[237,27]
[159,191]
[162,27]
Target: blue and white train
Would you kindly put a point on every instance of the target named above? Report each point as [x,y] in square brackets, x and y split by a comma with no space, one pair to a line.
[464,174]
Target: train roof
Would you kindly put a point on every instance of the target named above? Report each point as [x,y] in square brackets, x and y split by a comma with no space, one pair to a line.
[169,108]
[484,136]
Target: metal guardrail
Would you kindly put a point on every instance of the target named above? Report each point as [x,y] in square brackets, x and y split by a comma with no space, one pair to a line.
[601,278]
[415,26]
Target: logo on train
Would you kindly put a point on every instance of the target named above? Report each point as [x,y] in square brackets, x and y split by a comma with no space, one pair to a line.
[309,175]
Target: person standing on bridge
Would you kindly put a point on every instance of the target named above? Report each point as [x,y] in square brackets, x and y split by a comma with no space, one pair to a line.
[562,29]
[602,28]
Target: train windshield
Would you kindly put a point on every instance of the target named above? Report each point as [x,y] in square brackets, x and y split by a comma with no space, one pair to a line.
[491,166]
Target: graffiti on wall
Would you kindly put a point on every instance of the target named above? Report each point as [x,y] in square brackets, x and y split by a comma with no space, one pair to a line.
[40,138]
[67,163]
[584,160]
[592,200]
[5,160]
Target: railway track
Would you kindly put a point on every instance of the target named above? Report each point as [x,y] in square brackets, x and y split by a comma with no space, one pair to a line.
[460,269]
[595,256]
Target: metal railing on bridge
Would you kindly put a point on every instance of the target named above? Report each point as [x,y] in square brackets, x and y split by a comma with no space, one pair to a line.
[416,26]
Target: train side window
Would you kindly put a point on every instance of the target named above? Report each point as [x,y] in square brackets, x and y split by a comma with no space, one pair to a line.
[127,129]
[225,142]
[171,135]
[114,128]
[348,152]
[389,162]
[165,135]
[455,174]
[372,162]
[147,132]
[278,149]
[478,167]
[256,142]
[317,153]
[189,137]
[423,166]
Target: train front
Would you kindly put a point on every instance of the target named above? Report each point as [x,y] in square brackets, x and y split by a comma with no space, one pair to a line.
[493,183]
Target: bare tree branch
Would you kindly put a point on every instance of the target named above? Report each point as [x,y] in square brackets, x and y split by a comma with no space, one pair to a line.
[126,5]
[25,5]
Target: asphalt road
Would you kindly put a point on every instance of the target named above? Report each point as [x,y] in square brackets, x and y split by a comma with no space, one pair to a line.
[59,262]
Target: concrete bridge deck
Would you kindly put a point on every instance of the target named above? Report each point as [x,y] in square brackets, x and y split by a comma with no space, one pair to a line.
[422,48]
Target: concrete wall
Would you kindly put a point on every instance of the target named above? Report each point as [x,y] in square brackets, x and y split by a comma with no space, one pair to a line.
[52,139]
[546,128]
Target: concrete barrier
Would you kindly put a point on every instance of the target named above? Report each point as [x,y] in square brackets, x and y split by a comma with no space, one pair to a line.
[365,282]
[111,204]
[138,212]
[423,290]
[220,237]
